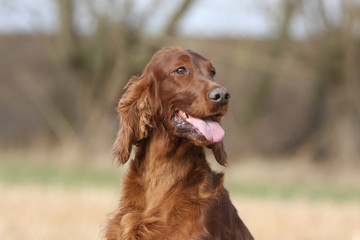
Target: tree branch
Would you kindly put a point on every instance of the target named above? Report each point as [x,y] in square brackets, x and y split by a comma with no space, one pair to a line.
[171,28]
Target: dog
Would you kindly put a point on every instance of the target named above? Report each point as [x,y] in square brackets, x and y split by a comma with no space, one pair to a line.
[170,114]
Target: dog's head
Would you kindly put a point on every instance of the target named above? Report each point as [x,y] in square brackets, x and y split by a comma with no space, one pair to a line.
[176,95]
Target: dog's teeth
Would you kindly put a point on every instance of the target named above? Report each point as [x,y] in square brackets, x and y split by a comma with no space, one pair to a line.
[183,114]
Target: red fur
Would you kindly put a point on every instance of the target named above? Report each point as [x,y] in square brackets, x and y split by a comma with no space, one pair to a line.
[170,192]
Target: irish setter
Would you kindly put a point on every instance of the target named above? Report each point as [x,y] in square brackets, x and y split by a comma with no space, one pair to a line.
[170,113]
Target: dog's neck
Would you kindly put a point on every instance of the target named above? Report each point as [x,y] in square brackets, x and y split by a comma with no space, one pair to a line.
[163,170]
[158,152]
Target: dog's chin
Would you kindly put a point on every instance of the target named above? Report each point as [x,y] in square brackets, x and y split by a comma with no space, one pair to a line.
[198,140]
[201,131]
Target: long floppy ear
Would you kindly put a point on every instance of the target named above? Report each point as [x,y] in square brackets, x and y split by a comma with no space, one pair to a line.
[219,153]
[136,118]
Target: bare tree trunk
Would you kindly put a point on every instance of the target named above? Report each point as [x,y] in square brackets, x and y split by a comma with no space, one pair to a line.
[68,44]
[171,28]
[349,122]
[262,90]
[337,88]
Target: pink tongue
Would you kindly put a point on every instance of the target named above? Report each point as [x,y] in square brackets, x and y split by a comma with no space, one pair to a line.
[211,130]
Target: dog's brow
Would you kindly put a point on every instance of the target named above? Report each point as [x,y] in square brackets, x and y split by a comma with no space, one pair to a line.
[183,58]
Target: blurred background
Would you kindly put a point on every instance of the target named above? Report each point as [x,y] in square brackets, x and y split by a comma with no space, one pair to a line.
[292,130]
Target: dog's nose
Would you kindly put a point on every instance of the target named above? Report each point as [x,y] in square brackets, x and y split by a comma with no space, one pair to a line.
[219,96]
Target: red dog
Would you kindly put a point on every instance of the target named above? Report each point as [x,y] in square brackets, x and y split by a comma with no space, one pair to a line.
[170,113]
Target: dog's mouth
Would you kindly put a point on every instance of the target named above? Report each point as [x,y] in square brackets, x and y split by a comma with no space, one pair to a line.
[206,127]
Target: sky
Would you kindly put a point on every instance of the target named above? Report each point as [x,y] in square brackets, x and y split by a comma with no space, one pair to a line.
[207,18]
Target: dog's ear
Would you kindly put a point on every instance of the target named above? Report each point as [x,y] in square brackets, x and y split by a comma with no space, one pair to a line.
[219,152]
[136,118]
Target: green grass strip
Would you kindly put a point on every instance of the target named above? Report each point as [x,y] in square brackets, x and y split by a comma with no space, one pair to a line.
[29,173]
[51,174]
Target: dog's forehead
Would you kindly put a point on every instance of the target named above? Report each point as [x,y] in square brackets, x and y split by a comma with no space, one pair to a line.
[196,55]
[189,56]
[185,54]
[198,60]
[176,56]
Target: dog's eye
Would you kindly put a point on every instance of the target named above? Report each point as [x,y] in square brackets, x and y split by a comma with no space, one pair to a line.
[180,71]
[212,72]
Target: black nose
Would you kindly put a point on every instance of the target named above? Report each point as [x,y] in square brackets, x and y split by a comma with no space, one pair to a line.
[219,96]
